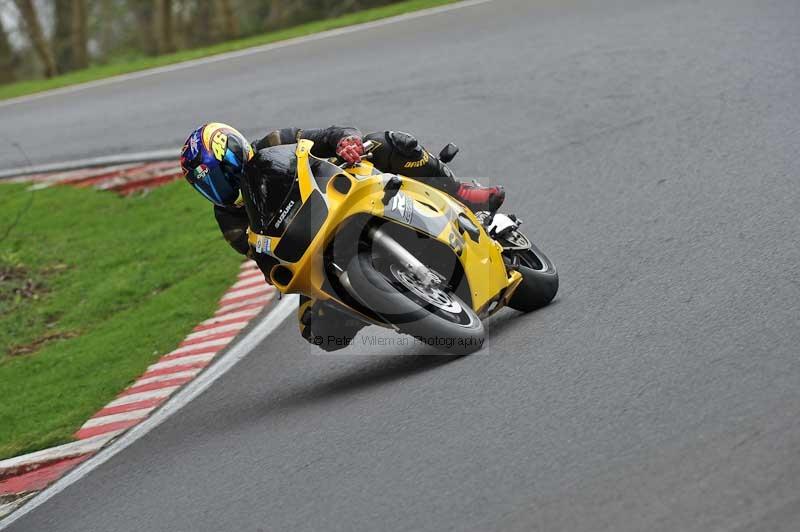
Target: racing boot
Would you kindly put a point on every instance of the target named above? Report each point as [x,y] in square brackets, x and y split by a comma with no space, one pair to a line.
[480,198]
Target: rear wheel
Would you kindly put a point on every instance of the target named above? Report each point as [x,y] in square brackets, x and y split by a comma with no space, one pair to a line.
[539,281]
[425,309]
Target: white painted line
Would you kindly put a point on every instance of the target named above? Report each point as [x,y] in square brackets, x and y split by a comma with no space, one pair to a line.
[228,360]
[217,330]
[142,396]
[113,418]
[243,314]
[219,342]
[182,361]
[84,173]
[52,454]
[125,158]
[260,289]
[168,376]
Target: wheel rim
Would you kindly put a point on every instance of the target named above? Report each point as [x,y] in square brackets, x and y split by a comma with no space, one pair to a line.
[428,293]
[518,240]
[531,260]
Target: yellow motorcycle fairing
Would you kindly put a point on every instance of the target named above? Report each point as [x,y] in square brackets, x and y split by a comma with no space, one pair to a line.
[328,202]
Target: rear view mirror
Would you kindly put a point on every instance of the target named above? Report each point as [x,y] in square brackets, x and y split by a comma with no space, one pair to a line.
[448,153]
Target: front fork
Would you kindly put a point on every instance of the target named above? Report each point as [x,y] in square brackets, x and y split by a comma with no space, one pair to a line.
[388,248]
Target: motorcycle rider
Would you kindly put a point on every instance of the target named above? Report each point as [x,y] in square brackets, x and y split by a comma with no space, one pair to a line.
[216,156]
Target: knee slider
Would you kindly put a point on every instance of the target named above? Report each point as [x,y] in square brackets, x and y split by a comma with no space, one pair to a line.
[237,238]
[233,235]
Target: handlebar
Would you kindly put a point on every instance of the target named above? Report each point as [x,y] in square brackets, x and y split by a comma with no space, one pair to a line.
[345,164]
[368,147]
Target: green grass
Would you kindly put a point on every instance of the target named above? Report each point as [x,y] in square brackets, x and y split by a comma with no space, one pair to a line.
[123,67]
[126,278]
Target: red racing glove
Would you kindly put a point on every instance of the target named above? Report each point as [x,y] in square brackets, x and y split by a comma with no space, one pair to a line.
[350,149]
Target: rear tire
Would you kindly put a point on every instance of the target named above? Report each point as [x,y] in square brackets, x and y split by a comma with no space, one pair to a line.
[539,281]
[436,317]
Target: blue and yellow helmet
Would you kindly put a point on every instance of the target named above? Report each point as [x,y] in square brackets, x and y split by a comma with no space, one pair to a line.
[213,160]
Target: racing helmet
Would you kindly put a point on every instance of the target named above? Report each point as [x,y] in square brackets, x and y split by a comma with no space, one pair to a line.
[213,159]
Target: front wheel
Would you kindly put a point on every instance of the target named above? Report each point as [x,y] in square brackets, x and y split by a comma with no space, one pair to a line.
[539,281]
[428,311]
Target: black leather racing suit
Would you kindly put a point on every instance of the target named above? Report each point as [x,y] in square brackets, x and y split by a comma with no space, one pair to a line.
[275,164]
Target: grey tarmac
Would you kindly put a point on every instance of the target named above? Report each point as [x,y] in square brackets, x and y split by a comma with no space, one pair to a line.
[652,150]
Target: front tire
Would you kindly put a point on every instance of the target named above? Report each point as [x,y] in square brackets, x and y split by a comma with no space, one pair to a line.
[433,315]
[539,281]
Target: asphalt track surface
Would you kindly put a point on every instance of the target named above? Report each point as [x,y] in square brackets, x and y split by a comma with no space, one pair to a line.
[652,149]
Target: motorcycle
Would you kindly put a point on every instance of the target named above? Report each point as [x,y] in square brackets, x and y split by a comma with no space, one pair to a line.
[395,252]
